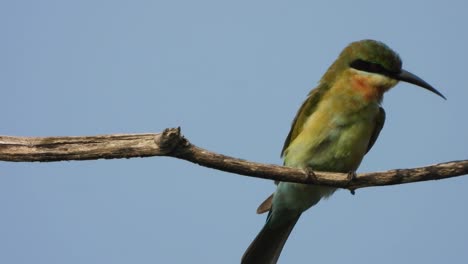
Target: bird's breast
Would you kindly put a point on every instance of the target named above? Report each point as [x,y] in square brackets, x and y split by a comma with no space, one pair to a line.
[333,139]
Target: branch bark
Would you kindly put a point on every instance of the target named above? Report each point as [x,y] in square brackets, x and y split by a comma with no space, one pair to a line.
[172,143]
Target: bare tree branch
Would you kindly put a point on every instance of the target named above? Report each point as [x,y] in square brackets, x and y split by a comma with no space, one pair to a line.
[172,143]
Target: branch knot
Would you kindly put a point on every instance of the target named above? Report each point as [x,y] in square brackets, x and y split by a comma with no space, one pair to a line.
[170,140]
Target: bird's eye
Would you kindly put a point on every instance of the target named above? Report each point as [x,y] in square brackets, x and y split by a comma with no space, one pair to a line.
[368,66]
[360,65]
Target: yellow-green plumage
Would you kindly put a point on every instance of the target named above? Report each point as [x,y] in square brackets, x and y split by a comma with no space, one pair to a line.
[334,128]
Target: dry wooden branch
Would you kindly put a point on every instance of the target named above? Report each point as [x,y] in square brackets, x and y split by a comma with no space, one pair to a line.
[172,143]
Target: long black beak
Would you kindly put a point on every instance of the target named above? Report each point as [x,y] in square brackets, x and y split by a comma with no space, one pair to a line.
[407,76]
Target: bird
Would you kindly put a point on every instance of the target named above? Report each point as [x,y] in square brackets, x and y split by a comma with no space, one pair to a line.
[335,127]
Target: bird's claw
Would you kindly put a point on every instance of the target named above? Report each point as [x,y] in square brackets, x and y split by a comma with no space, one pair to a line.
[310,174]
[351,177]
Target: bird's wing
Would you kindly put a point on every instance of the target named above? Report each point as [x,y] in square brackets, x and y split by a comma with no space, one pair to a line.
[379,123]
[307,108]
[266,205]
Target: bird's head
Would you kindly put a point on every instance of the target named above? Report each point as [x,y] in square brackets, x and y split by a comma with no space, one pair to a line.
[373,65]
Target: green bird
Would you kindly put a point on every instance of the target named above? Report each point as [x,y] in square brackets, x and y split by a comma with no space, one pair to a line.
[335,127]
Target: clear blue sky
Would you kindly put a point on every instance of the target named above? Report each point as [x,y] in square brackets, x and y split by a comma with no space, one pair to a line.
[232,74]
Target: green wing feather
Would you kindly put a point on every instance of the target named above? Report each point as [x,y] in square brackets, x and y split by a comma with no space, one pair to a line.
[379,123]
[310,105]
[307,108]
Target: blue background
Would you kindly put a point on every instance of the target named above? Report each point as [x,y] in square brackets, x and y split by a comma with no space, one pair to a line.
[232,74]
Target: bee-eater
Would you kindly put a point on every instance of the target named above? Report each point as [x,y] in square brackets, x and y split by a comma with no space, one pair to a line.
[335,127]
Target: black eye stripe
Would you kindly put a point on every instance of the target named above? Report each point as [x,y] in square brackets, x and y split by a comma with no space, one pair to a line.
[369,67]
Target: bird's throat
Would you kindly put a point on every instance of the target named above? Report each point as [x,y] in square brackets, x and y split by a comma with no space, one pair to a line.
[369,85]
[364,86]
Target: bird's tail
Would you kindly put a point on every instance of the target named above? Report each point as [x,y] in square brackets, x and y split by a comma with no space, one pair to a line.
[266,247]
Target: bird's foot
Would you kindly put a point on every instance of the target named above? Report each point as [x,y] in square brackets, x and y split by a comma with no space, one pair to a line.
[351,177]
[310,174]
